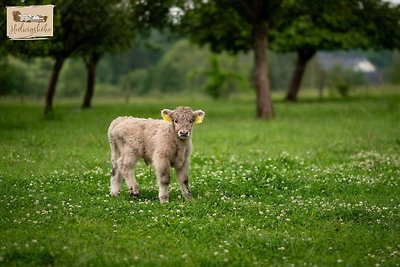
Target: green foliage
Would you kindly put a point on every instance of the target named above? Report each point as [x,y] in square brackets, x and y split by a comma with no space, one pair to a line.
[12,79]
[138,81]
[171,79]
[343,80]
[310,188]
[170,73]
[280,69]
[218,24]
[220,83]
[85,27]
[393,70]
[343,89]
[144,53]
[380,58]
[72,80]
[334,25]
[22,78]
[318,25]
[148,15]
[193,64]
[184,67]
[217,80]
[104,73]
[230,25]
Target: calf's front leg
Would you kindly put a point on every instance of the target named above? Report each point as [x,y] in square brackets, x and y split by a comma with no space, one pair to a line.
[183,179]
[163,178]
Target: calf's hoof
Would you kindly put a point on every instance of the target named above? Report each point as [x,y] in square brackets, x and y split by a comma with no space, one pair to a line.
[164,199]
[134,192]
[114,194]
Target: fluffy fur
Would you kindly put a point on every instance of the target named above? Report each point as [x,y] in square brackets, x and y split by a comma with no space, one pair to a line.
[164,143]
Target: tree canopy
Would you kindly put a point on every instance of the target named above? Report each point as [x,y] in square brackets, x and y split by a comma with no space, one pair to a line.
[234,26]
[90,29]
[333,25]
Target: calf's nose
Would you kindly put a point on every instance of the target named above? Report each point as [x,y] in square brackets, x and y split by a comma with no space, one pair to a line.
[183,133]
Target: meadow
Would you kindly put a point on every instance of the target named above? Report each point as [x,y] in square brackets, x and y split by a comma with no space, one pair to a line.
[317,186]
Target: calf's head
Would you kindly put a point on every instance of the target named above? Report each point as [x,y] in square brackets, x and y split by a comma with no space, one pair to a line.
[182,119]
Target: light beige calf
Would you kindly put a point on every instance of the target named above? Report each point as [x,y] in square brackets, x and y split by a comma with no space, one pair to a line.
[164,143]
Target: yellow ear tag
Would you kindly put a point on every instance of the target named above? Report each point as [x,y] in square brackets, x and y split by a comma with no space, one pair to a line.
[198,120]
[166,117]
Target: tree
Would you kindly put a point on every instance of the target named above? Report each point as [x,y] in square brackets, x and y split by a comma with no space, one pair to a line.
[75,26]
[234,26]
[147,15]
[91,61]
[332,25]
[113,34]
[24,49]
[81,28]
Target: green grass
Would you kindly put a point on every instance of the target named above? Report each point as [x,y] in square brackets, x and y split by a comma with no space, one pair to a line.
[319,185]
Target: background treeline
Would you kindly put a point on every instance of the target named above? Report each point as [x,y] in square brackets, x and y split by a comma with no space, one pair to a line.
[158,64]
[127,47]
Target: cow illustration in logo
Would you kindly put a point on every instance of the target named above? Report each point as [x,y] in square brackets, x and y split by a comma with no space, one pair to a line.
[18,17]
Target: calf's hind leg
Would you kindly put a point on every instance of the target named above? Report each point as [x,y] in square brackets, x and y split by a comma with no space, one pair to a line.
[126,166]
[116,178]
[115,182]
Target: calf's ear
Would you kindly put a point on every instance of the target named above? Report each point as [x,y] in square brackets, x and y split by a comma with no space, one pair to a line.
[198,116]
[166,114]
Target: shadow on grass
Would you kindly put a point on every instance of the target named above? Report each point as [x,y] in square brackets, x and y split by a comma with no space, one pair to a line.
[29,258]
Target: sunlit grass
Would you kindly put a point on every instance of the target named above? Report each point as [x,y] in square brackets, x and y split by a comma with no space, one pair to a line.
[319,185]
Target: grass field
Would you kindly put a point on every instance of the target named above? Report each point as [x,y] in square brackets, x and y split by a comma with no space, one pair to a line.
[319,185]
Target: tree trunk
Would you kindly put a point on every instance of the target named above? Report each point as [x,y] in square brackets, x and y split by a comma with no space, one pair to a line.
[91,64]
[303,57]
[52,84]
[264,106]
